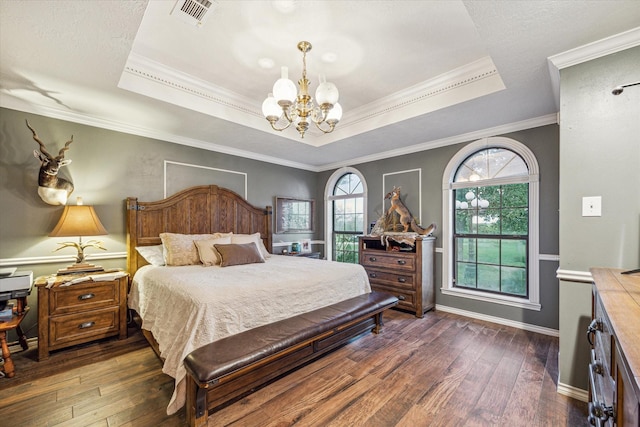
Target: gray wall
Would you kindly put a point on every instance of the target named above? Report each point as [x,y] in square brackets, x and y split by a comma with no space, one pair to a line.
[599,156]
[107,167]
[543,141]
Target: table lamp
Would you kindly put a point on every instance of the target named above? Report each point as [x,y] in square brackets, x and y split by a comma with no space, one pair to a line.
[79,221]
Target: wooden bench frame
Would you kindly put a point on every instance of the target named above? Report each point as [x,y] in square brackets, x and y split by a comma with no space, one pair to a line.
[204,397]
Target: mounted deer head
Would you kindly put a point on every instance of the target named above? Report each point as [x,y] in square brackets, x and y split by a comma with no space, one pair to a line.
[52,189]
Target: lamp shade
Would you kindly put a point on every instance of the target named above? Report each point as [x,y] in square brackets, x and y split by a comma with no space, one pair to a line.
[78,221]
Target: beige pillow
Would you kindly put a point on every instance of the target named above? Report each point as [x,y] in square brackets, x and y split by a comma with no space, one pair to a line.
[251,238]
[179,249]
[207,252]
[237,254]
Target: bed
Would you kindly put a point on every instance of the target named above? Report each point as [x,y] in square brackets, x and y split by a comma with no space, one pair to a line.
[185,307]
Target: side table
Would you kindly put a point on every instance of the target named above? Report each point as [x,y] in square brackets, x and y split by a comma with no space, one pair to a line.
[8,369]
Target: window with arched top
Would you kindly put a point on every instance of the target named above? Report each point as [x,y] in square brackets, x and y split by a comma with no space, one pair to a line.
[346,197]
[490,200]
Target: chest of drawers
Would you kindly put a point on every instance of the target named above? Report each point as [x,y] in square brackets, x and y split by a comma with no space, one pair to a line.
[407,275]
[614,335]
[80,313]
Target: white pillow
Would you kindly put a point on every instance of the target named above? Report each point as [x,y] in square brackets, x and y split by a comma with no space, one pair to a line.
[152,254]
[206,250]
[251,238]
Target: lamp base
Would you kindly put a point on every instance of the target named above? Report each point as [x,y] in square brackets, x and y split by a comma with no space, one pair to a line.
[79,268]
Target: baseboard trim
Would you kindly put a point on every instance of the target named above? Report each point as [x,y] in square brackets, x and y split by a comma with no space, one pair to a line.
[500,321]
[574,392]
[15,347]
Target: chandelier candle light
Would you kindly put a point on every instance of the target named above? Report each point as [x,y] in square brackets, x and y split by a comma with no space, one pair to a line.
[298,107]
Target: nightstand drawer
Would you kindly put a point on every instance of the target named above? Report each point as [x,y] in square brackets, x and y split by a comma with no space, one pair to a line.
[382,259]
[82,327]
[84,297]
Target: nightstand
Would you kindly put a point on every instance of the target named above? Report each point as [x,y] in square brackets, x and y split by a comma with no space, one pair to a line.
[92,307]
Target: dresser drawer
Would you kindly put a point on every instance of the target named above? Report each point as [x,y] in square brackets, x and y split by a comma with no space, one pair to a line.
[603,338]
[390,278]
[380,259]
[83,327]
[407,298]
[84,297]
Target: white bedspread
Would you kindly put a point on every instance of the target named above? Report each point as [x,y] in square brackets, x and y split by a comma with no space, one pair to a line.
[188,307]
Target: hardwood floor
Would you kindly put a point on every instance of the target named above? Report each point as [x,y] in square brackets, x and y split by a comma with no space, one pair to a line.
[443,370]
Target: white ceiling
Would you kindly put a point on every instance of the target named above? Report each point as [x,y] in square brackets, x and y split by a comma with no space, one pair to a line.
[412,74]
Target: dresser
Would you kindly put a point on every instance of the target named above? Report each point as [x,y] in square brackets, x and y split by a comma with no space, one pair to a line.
[402,270]
[614,335]
[79,313]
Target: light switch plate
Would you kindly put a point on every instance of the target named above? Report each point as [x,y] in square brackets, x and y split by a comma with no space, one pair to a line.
[592,206]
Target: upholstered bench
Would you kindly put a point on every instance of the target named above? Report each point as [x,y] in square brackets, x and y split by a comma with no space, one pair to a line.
[232,367]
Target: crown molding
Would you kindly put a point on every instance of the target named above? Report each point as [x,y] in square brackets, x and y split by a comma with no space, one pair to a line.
[549,119]
[150,78]
[588,52]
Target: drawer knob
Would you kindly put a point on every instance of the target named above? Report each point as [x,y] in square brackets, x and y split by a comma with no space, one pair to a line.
[372,259]
[401,297]
[86,325]
[402,262]
[86,297]
[594,326]
[374,275]
[402,280]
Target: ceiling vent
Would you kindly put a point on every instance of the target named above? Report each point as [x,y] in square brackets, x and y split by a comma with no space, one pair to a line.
[193,12]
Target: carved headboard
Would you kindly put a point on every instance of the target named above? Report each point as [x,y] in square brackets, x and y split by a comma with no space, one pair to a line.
[197,210]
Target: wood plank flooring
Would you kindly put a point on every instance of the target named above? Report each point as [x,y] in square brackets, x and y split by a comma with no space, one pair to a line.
[443,370]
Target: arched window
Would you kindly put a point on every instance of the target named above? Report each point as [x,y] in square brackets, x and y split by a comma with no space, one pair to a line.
[346,214]
[490,201]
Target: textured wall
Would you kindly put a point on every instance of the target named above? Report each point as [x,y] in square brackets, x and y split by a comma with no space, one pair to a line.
[599,156]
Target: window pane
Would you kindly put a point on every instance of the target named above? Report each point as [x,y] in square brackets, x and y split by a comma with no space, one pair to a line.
[491,194]
[489,251]
[489,277]
[466,249]
[515,221]
[488,221]
[515,196]
[464,222]
[514,281]
[465,275]
[514,253]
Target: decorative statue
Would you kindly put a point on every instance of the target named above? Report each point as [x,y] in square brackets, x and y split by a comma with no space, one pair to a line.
[406,219]
[52,189]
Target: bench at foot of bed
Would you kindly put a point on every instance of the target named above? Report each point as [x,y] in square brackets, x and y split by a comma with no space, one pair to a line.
[225,370]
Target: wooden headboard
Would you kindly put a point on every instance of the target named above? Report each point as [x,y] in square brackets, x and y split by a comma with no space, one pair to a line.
[197,210]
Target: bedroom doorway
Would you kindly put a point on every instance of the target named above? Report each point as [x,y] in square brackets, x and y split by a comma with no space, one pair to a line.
[346,214]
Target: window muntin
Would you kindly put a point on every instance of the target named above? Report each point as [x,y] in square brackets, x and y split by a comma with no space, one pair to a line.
[348,217]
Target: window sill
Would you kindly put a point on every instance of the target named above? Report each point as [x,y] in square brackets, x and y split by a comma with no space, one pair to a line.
[496,299]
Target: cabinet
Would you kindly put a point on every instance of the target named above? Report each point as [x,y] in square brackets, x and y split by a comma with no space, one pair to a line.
[79,313]
[403,270]
[614,335]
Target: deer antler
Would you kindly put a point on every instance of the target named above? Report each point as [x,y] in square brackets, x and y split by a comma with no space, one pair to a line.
[65,148]
[43,149]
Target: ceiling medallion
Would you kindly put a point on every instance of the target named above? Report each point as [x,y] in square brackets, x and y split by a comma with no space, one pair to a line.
[285,103]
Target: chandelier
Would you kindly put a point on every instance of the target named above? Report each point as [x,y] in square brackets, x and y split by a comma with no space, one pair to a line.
[285,103]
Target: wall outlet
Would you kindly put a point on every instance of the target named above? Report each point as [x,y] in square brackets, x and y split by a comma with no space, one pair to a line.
[592,206]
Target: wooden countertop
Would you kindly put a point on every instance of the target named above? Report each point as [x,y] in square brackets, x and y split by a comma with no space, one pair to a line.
[620,295]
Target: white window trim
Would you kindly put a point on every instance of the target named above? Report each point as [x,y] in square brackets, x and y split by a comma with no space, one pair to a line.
[329,198]
[533,302]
